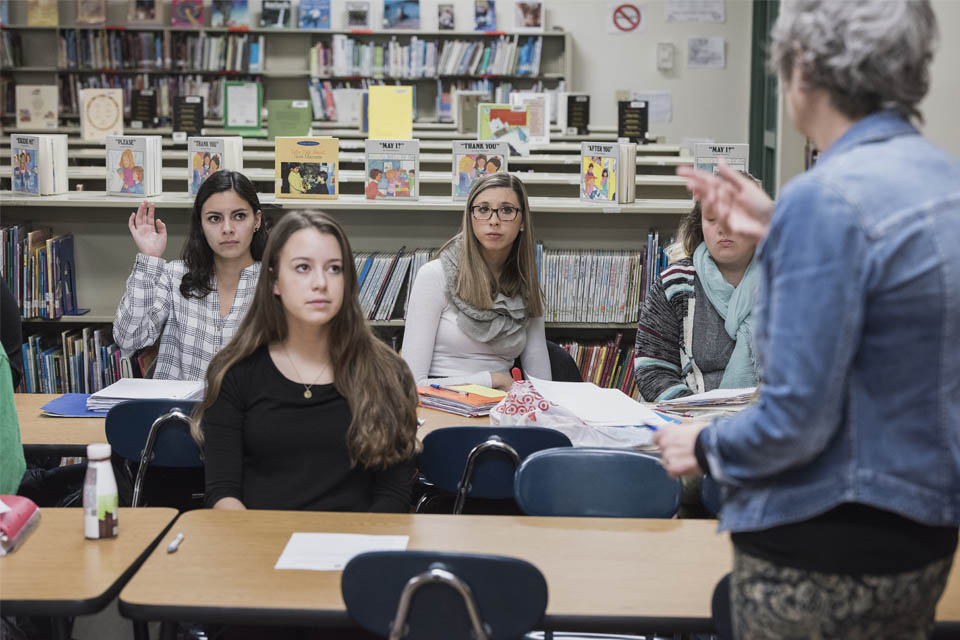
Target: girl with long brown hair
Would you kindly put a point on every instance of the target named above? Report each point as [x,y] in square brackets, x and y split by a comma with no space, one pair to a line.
[305,408]
[478,307]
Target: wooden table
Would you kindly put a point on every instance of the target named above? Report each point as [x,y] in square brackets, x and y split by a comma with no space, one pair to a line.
[58,573]
[70,436]
[602,574]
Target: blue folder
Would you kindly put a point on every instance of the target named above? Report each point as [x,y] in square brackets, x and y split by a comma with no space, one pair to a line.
[71,405]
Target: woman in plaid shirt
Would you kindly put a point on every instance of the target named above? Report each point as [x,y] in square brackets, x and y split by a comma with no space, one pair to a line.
[193,305]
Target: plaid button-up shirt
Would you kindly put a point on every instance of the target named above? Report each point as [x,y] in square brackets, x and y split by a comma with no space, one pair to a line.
[191,330]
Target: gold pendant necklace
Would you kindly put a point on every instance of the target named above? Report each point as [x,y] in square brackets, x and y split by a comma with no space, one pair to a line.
[306,387]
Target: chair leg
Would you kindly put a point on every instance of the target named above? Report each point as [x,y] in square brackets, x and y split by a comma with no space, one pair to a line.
[140,630]
[168,630]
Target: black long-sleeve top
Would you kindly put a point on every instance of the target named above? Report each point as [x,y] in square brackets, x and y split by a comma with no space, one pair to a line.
[272,448]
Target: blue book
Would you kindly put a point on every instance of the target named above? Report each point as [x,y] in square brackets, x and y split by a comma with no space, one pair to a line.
[315,14]
[71,405]
[5,12]
[363,271]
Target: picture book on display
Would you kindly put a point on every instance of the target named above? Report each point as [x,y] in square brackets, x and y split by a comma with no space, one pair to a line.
[307,167]
[632,118]
[144,12]
[505,123]
[446,18]
[187,116]
[37,106]
[276,13]
[391,169]
[42,13]
[143,108]
[465,106]
[38,164]
[288,118]
[484,15]
[229,13]
[390,112]
[133,165]
[706,156]
[538,114]
[573,114]
[358,16]
[473,160]
[242,103]
[527,16]
[187,13]
[608,172]
[91,11]
[206,156]
[101,114]
[401,14]
[314,14]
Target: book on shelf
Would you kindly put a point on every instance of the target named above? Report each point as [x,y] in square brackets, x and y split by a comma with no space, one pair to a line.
[42,13]
[607,364]
[206,156]
[346,56]
[608,171]
[314,14]
[91,11]
[11,51]
[446,17]
[276,14]
[133,165]
[82,360]
[4,12]
[38,164]
[380,278]
[307,167]
[101,114]
[707,156]
[466,104]
[358,16]
[37,106]
[573,116]
[40,269]
[187,13]
[506,55]
[390,112]
[632,119]
[242,106]
[473,160]
[143,108]
[392,169]
[538,114]
[229,13]
[506,123]
[288,118]
[188,115]
[484,15]
[401,14]
[528,15]
[144,12]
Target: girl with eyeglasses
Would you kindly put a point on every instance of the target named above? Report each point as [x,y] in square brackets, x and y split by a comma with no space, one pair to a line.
[478,306]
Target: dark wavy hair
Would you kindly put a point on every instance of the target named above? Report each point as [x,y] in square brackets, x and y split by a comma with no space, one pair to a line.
[197,254]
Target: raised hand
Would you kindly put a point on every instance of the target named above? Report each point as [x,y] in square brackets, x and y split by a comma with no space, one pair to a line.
[149,233]
[733,198]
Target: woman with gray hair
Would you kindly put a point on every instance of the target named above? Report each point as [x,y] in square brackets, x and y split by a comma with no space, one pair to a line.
[841,486]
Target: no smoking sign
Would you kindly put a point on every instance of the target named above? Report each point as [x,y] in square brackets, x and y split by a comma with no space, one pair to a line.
[624,18]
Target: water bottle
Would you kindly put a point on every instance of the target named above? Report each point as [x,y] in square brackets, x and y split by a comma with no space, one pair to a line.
[100,500]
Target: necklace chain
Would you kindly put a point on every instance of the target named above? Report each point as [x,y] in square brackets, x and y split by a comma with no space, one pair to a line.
[306,387]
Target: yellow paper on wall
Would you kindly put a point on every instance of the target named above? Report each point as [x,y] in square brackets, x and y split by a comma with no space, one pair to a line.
[390,113]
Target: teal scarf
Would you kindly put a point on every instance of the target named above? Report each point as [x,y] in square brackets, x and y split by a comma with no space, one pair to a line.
[735,305]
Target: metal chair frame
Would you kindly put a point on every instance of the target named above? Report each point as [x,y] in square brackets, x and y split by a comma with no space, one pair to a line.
[437,574]
[147,455]
[493,443]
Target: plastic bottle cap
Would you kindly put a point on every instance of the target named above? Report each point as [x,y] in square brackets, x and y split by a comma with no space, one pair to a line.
[98,451]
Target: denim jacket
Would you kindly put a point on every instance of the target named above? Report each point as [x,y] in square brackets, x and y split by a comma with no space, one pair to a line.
[858,328]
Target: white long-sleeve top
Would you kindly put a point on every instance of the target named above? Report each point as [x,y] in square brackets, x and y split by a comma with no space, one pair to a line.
[439,352]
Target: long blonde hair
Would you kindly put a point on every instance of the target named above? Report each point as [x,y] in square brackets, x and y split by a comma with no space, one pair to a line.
[476,284]
[376,382]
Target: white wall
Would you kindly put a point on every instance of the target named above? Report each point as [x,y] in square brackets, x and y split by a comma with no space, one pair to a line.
[941,109]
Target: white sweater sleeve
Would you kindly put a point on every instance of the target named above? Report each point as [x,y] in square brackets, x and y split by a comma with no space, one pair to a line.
[535,357]
[427,302]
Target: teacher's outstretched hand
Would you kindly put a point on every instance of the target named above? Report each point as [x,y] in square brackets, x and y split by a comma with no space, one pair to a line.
[733,198]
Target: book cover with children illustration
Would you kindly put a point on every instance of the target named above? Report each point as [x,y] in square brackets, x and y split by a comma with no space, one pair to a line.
[125,171]
[133,165]
[23,160]
[473,160]
[391,169]
[505,122]
[206,156]
[598,171]
[306,167]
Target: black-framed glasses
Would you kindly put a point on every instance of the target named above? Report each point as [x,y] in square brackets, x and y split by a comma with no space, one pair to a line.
[505,213]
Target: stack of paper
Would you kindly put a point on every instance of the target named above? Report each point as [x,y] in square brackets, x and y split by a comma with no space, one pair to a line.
[598,407]
[467,400]
[144,389]
[718,400]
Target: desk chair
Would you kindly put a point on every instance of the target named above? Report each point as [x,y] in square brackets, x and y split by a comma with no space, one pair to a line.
[153,433]
[422,595]
[480,461]
[589,482]
[710,496]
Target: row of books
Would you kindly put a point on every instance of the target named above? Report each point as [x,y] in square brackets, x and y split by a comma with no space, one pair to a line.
[40,269]
[492,90]
[504,56]
[346,57]
[11,49]
[607,364]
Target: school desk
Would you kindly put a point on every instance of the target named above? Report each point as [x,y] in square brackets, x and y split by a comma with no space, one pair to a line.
[56,572]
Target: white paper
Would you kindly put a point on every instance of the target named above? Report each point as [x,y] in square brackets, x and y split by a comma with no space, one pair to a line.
[596,406]
[625,17]
[332,551]
[243,105]
[695,11]
[706,53]
[144,389]
[715,395]
[659,105]
[3,507]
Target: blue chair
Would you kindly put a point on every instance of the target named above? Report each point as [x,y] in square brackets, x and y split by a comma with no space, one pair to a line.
[710,495]
[422,595]
[153,433]
[589,482]
[481,461]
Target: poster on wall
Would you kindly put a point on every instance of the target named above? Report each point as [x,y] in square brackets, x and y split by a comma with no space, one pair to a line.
[695,11]
[706,53]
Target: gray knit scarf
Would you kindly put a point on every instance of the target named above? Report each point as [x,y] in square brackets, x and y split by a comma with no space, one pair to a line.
[501,327]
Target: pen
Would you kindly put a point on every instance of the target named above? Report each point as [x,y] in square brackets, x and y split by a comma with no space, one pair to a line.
[175,544]
[443,388]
